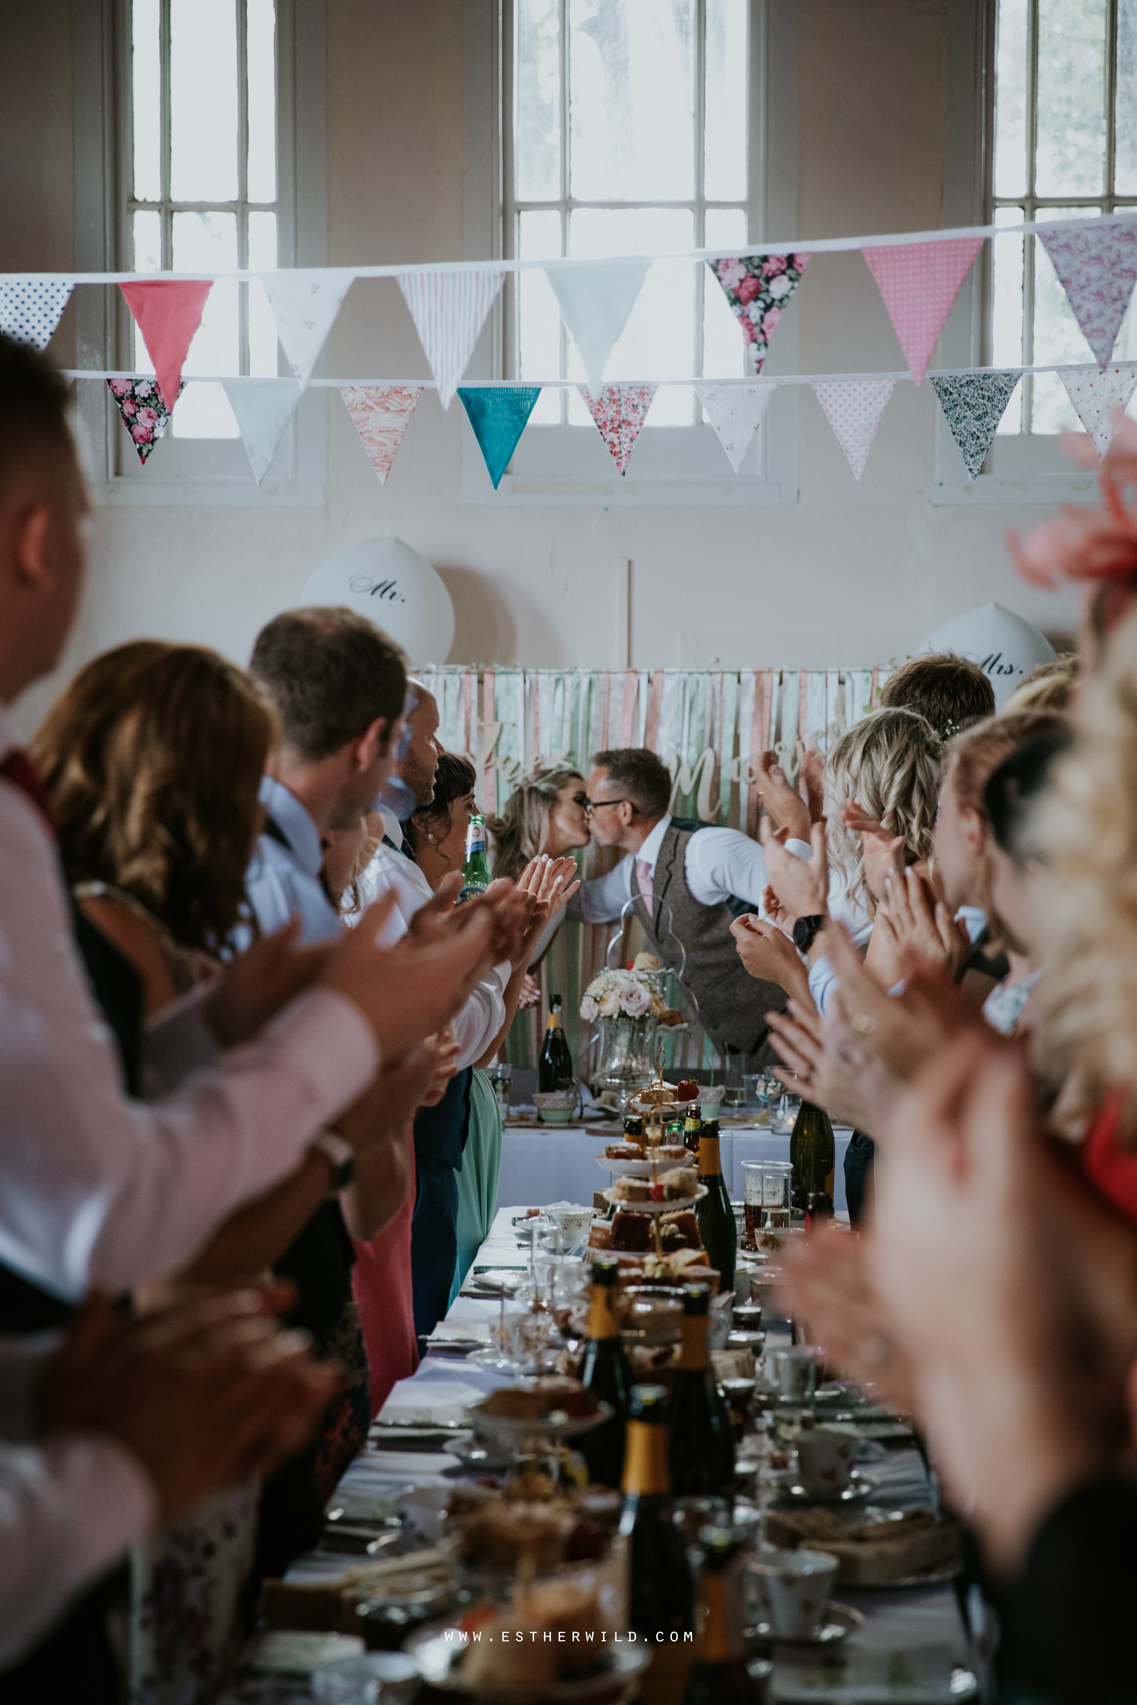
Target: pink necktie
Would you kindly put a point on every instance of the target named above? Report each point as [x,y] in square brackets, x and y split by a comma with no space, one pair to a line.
[643,877]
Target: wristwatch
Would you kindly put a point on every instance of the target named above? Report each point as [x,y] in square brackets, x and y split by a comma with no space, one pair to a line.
[342,1158]
[805,930]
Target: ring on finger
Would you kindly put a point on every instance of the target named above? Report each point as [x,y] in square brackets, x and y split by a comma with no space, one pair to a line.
[863,1023]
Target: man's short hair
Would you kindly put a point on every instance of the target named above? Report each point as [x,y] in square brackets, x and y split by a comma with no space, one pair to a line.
[948,691]
[640,776]
[331,673]
[33,406]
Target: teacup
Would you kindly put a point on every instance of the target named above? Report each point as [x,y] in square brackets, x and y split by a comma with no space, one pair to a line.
[791,1589]
[795,1371]
[825,1460]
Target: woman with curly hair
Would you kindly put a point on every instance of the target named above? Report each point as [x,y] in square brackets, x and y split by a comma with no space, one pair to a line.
[544,814]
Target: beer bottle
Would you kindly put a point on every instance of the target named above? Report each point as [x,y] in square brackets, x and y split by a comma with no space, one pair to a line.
[719,1674]
[475,869]
[701,1446]
[554,1068]
[606,1373]
[692,1127]
[713,1211]
[812,1156]
[660,1582]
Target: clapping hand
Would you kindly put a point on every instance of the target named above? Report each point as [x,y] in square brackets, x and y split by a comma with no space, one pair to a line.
[785,805]
[769,954]
[828,1282]
[260,982]
[825,1064]
[802,888]
[917,926]
[882,854]
[547,884]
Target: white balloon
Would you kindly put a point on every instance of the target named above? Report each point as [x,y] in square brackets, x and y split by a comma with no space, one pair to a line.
[1005,646]
[393,586]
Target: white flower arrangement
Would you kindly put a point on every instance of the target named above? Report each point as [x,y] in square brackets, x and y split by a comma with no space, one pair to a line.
[635,993]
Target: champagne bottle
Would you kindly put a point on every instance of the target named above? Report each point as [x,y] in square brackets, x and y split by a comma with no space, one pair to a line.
[701,1446]
[475,870]
[660,1582]
[720,1674]
[714,1212]
[606,1373]
[812,1156]
[554,1068]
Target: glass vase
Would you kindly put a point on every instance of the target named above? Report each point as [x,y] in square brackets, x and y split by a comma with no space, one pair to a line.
[625,1054]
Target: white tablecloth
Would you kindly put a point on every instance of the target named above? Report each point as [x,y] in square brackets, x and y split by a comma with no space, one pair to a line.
[539,1166]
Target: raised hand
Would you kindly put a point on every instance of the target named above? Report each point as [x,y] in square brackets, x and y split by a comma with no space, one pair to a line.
[769,954]
[902,1030]
[826,1065]
[811,776]
[803,889]
[881,853]
[548,884]
[828,1282]
[776,912]
[260,982]
[784,804]
[919,926]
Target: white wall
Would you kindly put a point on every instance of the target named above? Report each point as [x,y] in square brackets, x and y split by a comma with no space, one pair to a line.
[848,574]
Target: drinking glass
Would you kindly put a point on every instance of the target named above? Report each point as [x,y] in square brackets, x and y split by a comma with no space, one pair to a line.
[501,1076]
[766,1197]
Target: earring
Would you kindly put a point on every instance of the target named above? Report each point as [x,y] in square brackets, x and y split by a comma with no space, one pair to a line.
[430,837]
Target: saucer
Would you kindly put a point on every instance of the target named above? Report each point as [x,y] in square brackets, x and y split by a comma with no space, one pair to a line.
[860,1487]
[838,1621]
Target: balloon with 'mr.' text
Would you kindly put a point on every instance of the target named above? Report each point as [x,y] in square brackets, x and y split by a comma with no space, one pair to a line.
[396,588]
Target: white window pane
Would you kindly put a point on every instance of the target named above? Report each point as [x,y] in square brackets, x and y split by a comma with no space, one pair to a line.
[1007,309]
[724,166]
[658,341]
[723,349]
[631,103]
[203,412]
[203,100]
[1051,409]
[146,100]
[537,105]
[1057,338]
[262,242]
[260,38]
[262,325]
[147,257]
[204,242]
[1125,162]
[538,316]
[1071,97]
[1011,98]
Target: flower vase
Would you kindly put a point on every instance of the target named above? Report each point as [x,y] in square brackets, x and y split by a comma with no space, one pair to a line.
[626,1054]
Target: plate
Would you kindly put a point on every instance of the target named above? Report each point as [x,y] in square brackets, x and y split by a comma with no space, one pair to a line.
[861,1486]
[437,1650]
[840,1620]
[940,1577]
[497,1362]
[865,1682]
[675,1207]
[496,1282]
[637,1168]
[506,1432]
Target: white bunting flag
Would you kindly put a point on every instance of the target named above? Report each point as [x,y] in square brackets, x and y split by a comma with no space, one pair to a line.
[30,309]
[1096,395]
[263,408]
[853,408]
[449,310]
[736,413]
[595,303]
[304,305]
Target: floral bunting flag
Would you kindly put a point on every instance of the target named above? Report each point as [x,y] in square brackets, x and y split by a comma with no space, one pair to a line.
[1097,266]
[619,412]
[143,411]
[735,412]
[30,309]
[974,404]
[167,311]
[595,303]
[498,415]
[853,408]
[380,414]
[449,310]
[758,288]
[304,305]
[263,408]
[1095,396]
[919,283]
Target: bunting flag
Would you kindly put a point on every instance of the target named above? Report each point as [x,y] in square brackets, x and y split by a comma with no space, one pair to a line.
[143,410]
[619,413]
[1096,395]
[380,414]
[735,412]
[30,309]
[304,305]
[919,283]
[263,408]
[449,310]
[974,406]
[498,416]
[167,311]
[1097,267]
[595,303]
[758,288]
[853,409]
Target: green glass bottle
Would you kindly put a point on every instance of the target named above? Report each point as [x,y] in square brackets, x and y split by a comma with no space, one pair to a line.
[812,1155]
[713,1211]
[720,1674]
[659,1579]
[701,1445]
[554,1066]
[476,876]
[607,1374]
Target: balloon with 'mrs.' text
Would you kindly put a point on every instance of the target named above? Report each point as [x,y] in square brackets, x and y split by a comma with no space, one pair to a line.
[393,586]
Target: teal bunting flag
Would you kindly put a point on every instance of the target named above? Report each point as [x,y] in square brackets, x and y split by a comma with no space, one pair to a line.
[498,415]
[974,405]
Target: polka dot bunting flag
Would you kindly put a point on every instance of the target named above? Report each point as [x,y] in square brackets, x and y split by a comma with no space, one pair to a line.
[853,409]
[1097,395]
[919,283]
[30,309]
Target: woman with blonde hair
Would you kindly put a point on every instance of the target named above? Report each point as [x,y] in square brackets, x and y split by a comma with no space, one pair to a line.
[544,814]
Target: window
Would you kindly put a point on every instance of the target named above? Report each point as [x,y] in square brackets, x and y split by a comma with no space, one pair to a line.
[627,133]
[1064,143]
[201,158]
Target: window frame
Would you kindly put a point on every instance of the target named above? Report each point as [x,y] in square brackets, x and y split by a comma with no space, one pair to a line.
[182,471]
[682,465]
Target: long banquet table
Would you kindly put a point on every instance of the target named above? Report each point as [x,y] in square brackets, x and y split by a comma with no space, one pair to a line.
[907,1622]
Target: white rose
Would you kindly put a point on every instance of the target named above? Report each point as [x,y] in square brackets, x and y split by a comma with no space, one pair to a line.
[779,287]
[636,1001]
[609,1004]
[588,1009]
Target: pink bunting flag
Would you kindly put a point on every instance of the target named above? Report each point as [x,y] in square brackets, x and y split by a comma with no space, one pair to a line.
[919,283]
[380,414]
[167,311]
[853,408]
[619,412]
[1097,266]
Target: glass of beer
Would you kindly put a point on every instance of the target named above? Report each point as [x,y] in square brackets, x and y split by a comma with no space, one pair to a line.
[766,1198]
